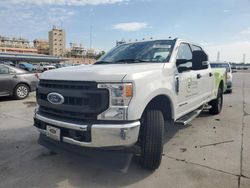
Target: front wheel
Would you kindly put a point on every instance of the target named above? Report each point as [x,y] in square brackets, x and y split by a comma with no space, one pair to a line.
[216,104]
[152,139]
[21,91]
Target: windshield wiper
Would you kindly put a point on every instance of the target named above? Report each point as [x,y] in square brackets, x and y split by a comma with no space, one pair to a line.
[131,61]
[121,61]
[102,62]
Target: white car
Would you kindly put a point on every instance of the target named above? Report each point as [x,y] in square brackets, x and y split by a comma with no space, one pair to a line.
[126,98]
[44,67]
[228,67]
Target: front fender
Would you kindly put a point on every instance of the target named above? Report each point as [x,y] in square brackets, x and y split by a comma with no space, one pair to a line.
[143,97]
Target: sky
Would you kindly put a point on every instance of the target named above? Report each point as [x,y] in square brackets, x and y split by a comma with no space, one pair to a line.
[219,25]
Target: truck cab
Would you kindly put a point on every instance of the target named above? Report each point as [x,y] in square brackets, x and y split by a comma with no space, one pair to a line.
[128,97]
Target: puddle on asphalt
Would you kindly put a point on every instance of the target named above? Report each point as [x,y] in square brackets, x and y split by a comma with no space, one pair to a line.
[30,104]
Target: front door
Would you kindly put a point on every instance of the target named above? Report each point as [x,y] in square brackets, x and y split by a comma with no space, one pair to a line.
[6,81]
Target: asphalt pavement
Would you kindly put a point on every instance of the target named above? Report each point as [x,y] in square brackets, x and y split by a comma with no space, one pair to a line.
[213,151]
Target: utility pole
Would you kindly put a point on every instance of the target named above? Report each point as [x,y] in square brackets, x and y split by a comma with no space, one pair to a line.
[90,36]
[90,43]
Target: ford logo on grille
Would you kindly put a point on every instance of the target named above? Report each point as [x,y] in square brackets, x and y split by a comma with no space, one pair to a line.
[55,98]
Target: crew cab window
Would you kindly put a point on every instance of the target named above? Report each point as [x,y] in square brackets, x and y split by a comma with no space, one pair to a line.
[184,56]
[4,70]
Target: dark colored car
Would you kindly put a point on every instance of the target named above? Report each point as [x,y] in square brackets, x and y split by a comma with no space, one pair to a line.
[16,82]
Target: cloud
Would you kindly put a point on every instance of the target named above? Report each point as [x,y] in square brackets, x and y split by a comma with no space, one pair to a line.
[246,31]
[232,52]
[130,26]
[27,21]
[66,2]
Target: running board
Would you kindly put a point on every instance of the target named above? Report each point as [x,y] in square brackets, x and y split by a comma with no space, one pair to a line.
[184,120]
[207,107]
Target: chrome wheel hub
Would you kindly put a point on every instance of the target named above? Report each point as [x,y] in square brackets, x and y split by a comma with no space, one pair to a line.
[22,91]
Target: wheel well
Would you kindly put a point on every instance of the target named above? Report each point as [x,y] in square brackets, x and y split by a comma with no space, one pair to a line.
[24,84]
[162,103]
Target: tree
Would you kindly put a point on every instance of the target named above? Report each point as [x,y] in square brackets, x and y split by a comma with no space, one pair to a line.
[100,54]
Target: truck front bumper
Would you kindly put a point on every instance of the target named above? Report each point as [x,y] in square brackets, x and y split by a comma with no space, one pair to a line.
[101,135]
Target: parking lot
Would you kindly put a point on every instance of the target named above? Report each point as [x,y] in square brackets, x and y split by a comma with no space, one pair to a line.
[213,151]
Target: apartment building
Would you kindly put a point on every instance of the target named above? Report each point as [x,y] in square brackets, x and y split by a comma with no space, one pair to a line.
[57,42]
[42,46]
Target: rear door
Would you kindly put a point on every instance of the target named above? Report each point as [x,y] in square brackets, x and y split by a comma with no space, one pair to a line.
[188,90]
[204,79]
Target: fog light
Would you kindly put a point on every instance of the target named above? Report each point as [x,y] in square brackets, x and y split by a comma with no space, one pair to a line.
[114,114]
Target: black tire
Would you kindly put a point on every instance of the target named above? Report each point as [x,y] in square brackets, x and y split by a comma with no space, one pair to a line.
[21,91]
[217,103]
[152,139]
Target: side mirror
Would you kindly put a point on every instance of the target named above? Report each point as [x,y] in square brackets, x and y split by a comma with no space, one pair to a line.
[199,60]
[183,65]
[180,62]
[204,65]
[12,72]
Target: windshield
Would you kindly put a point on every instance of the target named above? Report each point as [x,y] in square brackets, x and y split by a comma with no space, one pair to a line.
[148,51]
[221,65]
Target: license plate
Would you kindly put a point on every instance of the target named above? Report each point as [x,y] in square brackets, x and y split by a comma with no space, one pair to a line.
[53,132]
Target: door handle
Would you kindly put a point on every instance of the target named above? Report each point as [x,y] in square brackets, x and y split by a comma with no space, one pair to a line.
[199,76]
[15,76]
[177,84]
[210,74]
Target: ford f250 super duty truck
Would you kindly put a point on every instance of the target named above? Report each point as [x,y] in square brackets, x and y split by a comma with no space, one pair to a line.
[128,97]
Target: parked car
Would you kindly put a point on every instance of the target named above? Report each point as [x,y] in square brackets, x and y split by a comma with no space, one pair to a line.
[27,66]
[7,63]
[227,66]
[126,98]
[59,65]
[44,67]
[16,82]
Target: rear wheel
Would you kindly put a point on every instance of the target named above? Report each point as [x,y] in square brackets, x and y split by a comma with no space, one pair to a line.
[152,137]
[217,103]
[21,91]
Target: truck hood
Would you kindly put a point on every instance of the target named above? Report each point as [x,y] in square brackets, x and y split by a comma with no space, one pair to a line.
[100,73]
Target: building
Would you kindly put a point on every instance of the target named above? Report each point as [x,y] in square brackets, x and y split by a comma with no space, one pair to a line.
[16,45]
[42,46]
[90,53]
[57,42]
[76,51]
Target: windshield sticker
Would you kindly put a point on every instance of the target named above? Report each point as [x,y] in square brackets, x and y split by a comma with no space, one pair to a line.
[161,46]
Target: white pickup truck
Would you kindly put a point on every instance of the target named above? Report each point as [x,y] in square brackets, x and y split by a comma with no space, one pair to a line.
[128,97]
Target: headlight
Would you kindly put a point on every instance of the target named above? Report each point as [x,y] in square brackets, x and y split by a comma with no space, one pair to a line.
[120,96]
